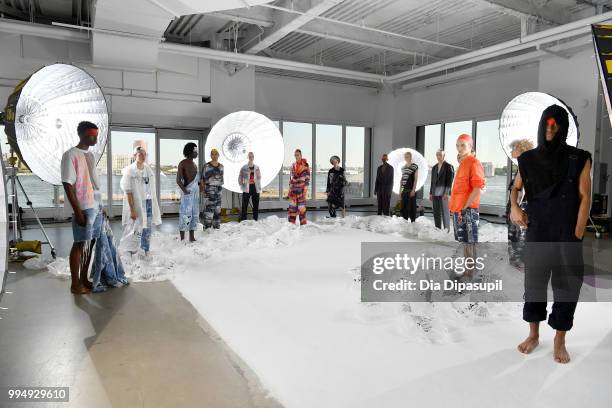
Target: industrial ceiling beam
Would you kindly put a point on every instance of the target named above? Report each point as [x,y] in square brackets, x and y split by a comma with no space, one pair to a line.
[256,60]
[364,27]
[291,24]
[242,17]
[522,8]
[375,45]
[576,28]
[374,39]
[495,66]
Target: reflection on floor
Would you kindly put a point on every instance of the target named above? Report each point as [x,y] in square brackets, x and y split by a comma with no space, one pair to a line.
[140,346]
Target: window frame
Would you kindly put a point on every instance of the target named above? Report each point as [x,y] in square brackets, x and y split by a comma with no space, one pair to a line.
[366,160]
[485,208]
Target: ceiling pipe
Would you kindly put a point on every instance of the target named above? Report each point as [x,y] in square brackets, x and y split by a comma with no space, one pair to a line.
[42,30]
[359,42]
[362,27]
[576,28]
[114,32]
[492,66]
[256,60]
[77,35]
[243,19]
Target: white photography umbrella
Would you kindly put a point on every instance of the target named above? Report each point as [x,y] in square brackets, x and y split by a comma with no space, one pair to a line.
[239,133]
[396,159]
[521,117]
[49,106]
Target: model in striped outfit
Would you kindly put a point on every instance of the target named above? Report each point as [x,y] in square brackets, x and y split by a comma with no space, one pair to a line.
[298,188]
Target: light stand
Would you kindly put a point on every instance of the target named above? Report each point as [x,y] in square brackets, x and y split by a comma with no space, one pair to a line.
[14,217]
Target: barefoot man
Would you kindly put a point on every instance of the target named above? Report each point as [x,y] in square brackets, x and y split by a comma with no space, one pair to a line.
[82,189]
[557,183]
[188,180]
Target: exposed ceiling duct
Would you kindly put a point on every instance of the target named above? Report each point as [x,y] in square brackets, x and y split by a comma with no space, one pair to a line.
[124,50]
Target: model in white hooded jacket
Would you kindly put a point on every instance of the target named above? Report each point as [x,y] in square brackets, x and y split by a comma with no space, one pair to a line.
[133,181]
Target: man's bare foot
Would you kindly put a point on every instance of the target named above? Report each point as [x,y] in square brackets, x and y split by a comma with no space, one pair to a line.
[560,353]
[79,290]
[529,344]
[87,284]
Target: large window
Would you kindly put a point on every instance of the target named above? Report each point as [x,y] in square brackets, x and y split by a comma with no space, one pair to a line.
[102,169]
[329,143]
[39,192]
[494,162]
[355,161]
[487,149]
[170,154]
[452,130]
[431,145]
[296,135]
[122,147]
[271,191]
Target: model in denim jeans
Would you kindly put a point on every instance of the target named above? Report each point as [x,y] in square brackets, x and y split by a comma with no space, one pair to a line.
[81,186]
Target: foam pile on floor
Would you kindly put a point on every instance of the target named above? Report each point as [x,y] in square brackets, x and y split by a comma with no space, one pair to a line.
[169,256]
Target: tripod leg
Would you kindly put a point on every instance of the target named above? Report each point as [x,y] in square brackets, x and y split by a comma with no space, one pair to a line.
[36,216]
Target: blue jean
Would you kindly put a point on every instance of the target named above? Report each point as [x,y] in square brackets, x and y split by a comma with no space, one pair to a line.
[107,270]
[145,238]
[189,211]
[83,233]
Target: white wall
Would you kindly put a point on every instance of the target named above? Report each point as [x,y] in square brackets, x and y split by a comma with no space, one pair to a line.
[169,97]
[383,130]
[479,97]
[307,100]
[575,82]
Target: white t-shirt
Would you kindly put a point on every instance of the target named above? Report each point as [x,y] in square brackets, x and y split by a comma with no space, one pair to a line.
[79,169]
[146,182]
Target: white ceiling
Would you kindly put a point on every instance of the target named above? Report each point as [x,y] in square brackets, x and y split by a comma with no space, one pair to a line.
[376,36]
[369,40]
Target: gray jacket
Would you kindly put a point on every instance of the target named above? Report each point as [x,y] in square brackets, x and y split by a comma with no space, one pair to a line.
[243,178]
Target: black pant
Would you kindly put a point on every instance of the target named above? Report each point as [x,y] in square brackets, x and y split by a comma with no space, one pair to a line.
[384,202]
[440,212]
[253,195]
[553,253]
[409,205]
[332,210]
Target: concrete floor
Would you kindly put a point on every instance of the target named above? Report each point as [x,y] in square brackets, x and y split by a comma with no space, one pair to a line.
[138,346]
